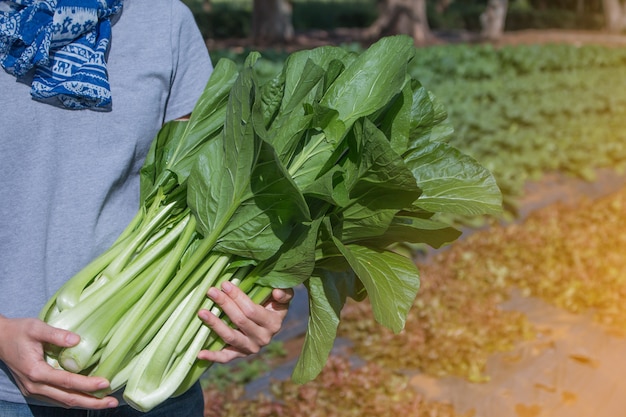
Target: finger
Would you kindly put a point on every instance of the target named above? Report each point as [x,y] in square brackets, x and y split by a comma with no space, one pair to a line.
[257,322]
[240,309]
[72,382]
[41,372]
[233,337]
[55,336]
[255,325]
[280,300]
[65,388]
[220,356]
[70,399]
[283,296]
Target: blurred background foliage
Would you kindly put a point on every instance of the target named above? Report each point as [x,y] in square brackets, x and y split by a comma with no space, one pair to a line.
[231,19]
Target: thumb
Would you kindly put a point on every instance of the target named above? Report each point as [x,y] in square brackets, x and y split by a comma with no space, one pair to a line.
[282,296]
[58,337]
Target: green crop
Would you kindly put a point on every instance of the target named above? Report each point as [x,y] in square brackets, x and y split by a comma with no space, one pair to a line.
[309,178]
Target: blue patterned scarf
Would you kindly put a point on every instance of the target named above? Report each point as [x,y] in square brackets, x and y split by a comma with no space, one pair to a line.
[65,42]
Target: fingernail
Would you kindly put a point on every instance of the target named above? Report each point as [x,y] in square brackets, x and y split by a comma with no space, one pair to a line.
[72,338]
[227,286]
[213,292]
[112,403]
[103,384]
[203,314]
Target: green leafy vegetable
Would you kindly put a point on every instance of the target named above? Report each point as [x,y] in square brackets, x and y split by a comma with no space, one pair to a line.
[309,178]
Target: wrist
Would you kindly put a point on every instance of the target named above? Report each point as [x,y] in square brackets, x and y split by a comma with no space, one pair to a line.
[3,321]
[3,334]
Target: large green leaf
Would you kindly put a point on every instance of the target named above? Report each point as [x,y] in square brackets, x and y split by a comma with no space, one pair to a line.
[295,262]
[395,120]
[175,147]
[324,316]
[391,280]
[274,200]
[428,117]
[240,193]
[326,58]
[327,296]
[329,187]
[452,182]
[314,153]
[368,83]
[154,168]
[378,181]
[254,220]
[281,112]
[287,127]
[411,229]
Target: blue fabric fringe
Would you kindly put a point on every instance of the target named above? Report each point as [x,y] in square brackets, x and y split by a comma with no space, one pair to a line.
[63,44]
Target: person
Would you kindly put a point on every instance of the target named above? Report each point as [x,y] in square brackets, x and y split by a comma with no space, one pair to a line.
[69,170]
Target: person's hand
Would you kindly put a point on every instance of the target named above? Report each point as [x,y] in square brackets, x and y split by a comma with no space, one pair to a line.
[22,350]
[255,325]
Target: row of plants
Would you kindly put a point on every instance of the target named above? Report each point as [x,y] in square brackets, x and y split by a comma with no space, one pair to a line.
[527,109]
[466,62]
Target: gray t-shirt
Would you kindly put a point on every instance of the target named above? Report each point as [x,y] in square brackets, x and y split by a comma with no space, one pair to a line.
[69,178]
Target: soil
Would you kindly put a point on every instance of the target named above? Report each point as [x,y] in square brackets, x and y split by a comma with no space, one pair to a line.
[573,368]
[563,36]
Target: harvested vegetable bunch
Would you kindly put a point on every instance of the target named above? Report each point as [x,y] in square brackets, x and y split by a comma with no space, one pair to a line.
[310,178]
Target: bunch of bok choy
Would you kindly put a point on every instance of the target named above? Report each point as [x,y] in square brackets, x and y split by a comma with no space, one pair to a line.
[310,178]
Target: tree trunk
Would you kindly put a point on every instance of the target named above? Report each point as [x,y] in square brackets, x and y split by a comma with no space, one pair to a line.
[407,17]
[442,5]
[614,15]
[271,21]
[492,20]
[207,7]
